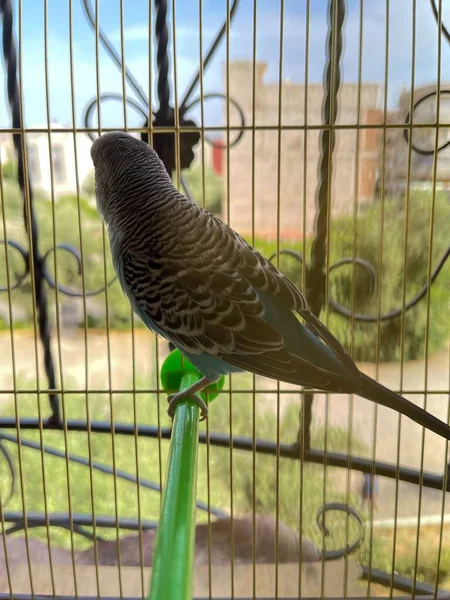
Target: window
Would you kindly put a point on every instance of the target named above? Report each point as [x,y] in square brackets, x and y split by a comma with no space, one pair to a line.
[59,164]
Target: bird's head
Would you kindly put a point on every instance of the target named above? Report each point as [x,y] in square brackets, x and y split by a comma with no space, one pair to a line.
[126,169]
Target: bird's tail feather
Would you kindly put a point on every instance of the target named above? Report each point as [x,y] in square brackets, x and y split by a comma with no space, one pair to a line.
[374,391]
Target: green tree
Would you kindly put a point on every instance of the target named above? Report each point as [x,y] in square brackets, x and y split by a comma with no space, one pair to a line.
[88,185]
[9,170]
[213,187]
[400,262]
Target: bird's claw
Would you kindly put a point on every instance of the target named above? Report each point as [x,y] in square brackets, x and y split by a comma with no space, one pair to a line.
[175,399]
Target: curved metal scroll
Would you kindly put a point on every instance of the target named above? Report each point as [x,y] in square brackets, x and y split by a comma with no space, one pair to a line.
[368,267]
[351,512]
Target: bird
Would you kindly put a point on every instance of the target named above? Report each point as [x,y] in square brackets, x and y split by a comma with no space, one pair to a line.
[200,285]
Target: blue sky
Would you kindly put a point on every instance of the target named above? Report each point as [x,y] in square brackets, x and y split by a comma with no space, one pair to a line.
[136,15]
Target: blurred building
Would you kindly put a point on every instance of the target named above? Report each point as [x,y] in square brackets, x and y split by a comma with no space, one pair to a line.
[416,169]
[212,153]
[62,151]
[284,168]
[285,171]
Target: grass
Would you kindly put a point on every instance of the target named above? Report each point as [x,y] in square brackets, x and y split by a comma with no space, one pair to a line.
[151,455]
[428,545]
[230,475]
[296,488]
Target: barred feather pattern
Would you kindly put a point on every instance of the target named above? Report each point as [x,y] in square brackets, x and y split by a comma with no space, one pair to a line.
[197,280]
[201,285]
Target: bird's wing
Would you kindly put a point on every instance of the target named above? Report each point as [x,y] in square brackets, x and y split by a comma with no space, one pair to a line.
[205,300]
[264,276]
[213,311]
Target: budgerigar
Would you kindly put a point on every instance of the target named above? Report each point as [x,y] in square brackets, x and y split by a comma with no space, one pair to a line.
[200,285]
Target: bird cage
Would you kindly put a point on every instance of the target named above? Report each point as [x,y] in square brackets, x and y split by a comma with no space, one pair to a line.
[320,132]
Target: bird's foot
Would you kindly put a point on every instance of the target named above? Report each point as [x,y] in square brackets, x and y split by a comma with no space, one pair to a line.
[175,399]
[190,394]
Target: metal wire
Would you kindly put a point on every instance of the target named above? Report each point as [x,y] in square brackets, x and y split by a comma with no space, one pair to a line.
[278,227]
[228,220]
[429,267]
[172,129]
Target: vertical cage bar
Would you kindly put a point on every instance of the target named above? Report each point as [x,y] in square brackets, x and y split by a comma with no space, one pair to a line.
[304,441]
[316,292]
[228,221]
[429,269]
[355,210]
[174,551]
[253,200]
[278,222]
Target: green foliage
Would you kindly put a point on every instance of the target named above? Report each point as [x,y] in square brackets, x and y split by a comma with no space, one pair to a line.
[9,170]
[404,264]
[433,558]
[88,185]
[295,489]
[298,489]
[360,338]
[400,262]
[87,207]
[427,568]
[53,491]
[61,223]
[11,202]
[213,187]
[67,217]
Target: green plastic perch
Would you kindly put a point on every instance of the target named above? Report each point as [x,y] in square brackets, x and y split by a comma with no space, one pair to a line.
[174,552]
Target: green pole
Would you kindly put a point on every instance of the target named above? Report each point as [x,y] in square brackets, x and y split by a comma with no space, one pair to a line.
[174,551]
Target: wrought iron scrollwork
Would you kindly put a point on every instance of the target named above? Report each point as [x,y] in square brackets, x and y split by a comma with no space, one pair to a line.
[20,277]
[36,265]
[34,258]
[408,120]
[315,278]
[351,512]
[370,270]
[163,142]
[46,275]
[444,30]
[316,285]
[10,465]
[74,252]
